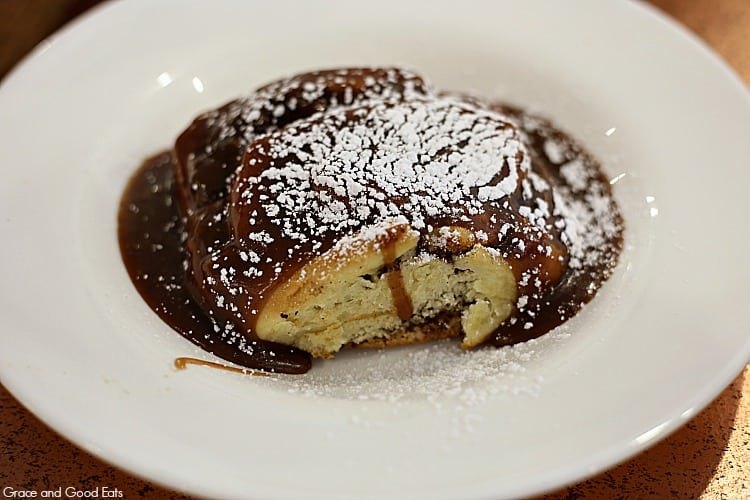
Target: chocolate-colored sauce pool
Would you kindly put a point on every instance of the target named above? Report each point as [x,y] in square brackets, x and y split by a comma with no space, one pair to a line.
[151,233]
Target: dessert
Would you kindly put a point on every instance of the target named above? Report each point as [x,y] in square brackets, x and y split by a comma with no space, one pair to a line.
[360,207]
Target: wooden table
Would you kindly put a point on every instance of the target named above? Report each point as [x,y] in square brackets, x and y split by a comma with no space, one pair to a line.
[708,458]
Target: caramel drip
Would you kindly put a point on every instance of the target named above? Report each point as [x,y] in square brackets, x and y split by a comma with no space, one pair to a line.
[182,362]
[401,299]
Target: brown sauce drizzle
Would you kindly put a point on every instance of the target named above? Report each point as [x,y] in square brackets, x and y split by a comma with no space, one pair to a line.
[401,299]
[156,247]
[182,362]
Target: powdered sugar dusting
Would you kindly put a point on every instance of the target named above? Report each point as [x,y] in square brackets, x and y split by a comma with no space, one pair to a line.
[431,372]
[264,110]
[436,156]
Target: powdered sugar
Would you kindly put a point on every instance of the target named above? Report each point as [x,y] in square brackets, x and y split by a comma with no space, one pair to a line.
[431,372]
[275,103]
[436,156]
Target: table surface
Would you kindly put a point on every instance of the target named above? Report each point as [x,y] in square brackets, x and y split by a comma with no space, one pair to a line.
[707,458]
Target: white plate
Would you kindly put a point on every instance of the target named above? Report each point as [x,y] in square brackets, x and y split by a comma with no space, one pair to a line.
[667,333]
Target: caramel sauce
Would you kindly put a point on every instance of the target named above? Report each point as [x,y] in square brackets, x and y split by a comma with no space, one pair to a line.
[182,363]
[401,299]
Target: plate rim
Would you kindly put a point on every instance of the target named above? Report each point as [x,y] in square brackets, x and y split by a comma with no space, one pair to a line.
[730,372]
